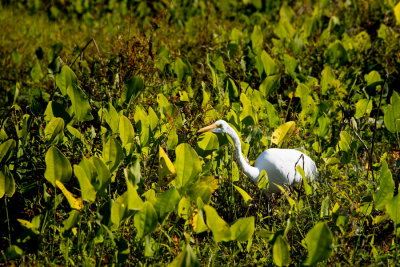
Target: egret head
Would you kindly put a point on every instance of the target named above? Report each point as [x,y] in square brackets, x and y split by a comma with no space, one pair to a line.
[219,126]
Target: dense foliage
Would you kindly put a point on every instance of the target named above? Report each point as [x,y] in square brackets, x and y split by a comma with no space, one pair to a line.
[100,102]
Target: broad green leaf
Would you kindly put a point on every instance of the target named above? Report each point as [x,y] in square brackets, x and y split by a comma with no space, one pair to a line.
[284,30]
[111,116]
[328,79]
[76,133]
[242,229]
[134,201]
[396,10]
[134,87]
[184,208]
[119,210]
[208,141]
[185,259]
[280,251]
[87,190]
[290,64]
[54,130]
[187,165]
[126,132]
[269,64]
[7,183]
[198,223]
[167,201]
[319,242]
[272,114]
[363,106]
[257,39]
[218,226]
[7,150]
[67,81]
[112,154]
[335,54]
[384,192]
[103,175]
[143,126]
[166,168]
[57,166]
[393,210]
[324,124]
[75,203]
[146,220]
[345,141]
[372,77]
[203,188]
[133,173]
[283,132]
[392,114]
[72,220]
[36,71]
[269,84]
[246,197]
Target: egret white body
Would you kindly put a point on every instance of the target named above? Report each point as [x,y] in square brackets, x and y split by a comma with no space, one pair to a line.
[280,164]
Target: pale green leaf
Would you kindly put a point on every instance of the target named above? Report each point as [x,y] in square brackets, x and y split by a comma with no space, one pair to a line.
[145,220]
[363,106]
[112,153]
[319,241]
[246,197]
[219,228]
[57,166]
[280,251]
[87,190]
[187,165]
[385,190]
[242,229]
[185,259]
[126,132]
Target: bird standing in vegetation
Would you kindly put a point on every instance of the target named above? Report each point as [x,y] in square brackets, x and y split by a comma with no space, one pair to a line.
[280,164]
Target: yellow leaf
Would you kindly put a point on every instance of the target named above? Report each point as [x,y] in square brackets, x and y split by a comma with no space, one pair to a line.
[396,10]
[198,223]
[25,223]
[166,168]
[246,197]
[75,203]
[283,132]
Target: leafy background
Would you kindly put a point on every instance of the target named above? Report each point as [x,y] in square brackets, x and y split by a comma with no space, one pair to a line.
[100,103]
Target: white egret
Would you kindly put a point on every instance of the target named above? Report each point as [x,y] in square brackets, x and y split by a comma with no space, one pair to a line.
[280,164]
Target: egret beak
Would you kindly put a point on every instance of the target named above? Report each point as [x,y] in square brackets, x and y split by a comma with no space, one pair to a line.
[207,128]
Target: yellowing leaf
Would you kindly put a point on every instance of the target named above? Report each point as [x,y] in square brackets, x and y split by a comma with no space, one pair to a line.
[396,11]
[246,197]
[75,203]
[283,132]
[165,168]
[198,223]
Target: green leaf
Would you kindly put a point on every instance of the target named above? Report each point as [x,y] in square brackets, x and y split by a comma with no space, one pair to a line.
[396,10]
[284,30]
[372,77]
[246,197]
[67,81]
[392,114]
[72,220]
[112,154]
[181,69]
[203,188]
[146,220]
[319,243]
[208,141]
[242,229]
[328,80]
[143,126]
[269,64]
[363,106]
[393,210]
[6,150]
[54,131]
[7,183]
[57,166]
[272,114]
[126,132]
[283,132]
[257,40]
[185,259]
[345,141]
[335,54]
[87,190]
[184,208]
[218,226]
[187,165]
[119,210]
[134,87]
[167,201]
[134,201]
[384,192]
[280,251]
[36,72]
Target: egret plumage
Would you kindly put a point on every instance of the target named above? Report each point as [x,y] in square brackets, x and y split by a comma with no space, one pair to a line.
[279,164]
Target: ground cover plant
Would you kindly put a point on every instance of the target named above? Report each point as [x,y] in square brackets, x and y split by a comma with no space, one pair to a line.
[101,162]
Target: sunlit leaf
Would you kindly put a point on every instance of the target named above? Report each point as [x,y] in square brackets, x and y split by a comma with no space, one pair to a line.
[134,201]
[269,64]
[203,188]
[119,210]
[184,208]
[283,132]
[72,220]
[363,106]
[385,190]
[396,10]
[54,130]
[257,39]
[198,223]
[58,166]
[187,165]
[208,142]
[87,190]
[280,251]
[7,150]
[167,201]
[75,203]
[126,132]
[218,226]
[166,168]
[392,114]
[393,210]
[146,220]
[7,183]
[345,141]
[242,229]
[246,197]
[319,242]
[134,87]
[112,153]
